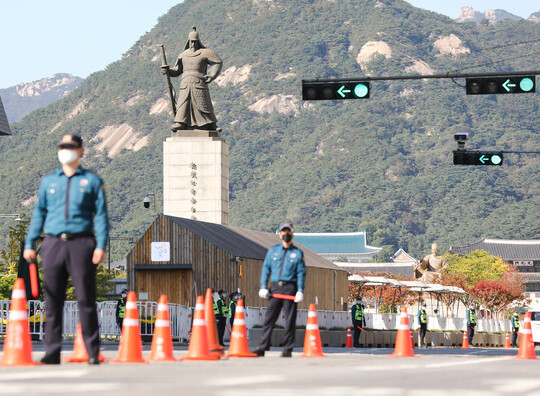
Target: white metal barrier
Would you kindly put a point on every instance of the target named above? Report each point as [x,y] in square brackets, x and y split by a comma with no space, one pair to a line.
[181,319]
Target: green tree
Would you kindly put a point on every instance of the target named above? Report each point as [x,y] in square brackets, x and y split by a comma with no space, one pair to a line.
[103,284]
[477,266]
[9,257]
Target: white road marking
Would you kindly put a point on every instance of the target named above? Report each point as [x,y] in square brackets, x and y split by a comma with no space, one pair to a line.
[42,374]
[514,385]
[59,387]
[246,380]
[466,362]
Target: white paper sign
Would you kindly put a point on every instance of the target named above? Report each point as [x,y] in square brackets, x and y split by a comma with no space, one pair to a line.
[143,296]
[160,251]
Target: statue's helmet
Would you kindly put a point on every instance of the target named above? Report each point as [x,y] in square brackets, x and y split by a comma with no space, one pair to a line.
[194,36]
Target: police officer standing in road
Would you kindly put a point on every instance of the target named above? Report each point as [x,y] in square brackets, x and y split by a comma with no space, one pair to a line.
[358,320]
[471,323]
[121,309]
[232,307]
[284,265]
[515,329]
[221,312]
[71,205]
[422,320]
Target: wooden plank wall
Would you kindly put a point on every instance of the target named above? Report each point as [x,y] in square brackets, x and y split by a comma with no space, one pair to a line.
[215,268]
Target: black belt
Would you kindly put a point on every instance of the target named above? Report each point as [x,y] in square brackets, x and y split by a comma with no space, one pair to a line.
[65,236]
[281,283]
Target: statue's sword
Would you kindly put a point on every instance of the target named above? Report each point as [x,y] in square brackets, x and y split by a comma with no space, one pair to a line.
[168,78]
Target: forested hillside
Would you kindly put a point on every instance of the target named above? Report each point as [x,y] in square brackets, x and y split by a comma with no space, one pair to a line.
[383,164]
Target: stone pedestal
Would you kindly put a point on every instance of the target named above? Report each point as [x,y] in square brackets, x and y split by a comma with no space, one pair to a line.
[196,176]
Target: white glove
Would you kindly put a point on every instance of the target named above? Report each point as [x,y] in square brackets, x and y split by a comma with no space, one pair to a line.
[299,296]
[263,293]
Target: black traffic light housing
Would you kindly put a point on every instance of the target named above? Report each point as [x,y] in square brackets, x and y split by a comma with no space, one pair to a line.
[500,85]
[333,90]
[490,158]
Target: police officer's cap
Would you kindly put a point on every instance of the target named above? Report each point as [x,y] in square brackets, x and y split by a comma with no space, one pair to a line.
[222,292]
[70,141]
[286,226]
[124,291]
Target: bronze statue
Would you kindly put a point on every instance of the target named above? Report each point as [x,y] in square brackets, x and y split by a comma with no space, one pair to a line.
[197,66]
[429,268]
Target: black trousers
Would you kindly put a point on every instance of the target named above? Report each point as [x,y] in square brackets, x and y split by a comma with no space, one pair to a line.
[74,258]
[470,333]
[514,337]
[221,324]
[423,331]
[356,334]
[273,310]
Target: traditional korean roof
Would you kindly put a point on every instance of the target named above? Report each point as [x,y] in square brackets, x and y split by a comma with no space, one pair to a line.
[388,268]
[4,124]
[246,243]
[508,250]
[402,256]
[336,242]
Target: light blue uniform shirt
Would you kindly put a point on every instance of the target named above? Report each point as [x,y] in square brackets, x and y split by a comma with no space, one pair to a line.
[294,269]
[73,205]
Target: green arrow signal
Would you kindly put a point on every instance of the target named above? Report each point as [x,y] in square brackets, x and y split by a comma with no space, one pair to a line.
[342,91]
[507,85]
[483,159]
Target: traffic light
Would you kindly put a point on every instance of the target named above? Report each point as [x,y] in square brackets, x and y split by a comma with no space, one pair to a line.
[465,157]
[350,89]
[500,85]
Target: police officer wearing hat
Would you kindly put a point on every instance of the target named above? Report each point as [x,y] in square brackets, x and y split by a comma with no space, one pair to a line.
[515,329]
[71,207]
[471,324]
[121,309]
[232,307]
[422,320]
[221,312]
[284,265]
[358,320]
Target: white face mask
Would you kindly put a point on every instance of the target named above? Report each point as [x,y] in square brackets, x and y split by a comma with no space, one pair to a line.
[124,295]
[66,156]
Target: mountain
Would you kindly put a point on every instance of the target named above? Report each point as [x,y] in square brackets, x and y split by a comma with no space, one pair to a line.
[27,97]
[382,164]
[535,17]
[469,14]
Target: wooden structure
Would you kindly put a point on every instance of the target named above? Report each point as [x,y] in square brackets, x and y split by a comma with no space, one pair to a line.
[202,255]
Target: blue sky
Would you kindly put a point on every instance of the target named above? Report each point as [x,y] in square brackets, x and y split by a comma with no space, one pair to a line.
[41,38]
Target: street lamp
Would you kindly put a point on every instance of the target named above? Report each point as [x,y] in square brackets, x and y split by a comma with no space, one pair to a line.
[116,239]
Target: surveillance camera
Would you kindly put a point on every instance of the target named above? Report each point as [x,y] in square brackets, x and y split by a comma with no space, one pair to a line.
[461,136]
[146,202]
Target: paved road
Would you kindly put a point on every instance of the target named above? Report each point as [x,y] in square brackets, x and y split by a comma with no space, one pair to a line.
[437,371]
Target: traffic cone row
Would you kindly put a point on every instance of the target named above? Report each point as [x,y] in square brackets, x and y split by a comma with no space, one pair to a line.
[526,343]
[349,343]
[403,339]
[465,344]
[507,344]
[18,343]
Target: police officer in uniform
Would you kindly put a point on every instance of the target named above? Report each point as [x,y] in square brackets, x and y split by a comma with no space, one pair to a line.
[71,206]
[358,320]
[221,312]
[471,323]
[422,320]
[121,309]
[515,329]
[284,265]
[232,307]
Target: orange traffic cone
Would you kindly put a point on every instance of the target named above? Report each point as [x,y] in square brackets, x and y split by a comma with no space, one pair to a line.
[211,325]
[348,343]
[507,344]
[239,346]
[465,341]
[198,343]
[312,340]
[130,348]
[162,345]
[412,340]
[526,344]
[18,343]
[403,339]
[80,355]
